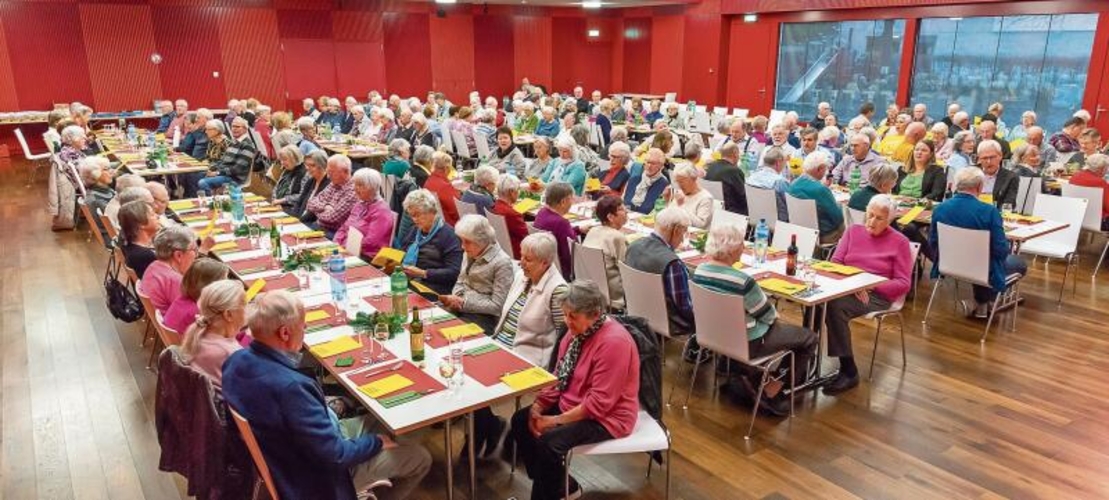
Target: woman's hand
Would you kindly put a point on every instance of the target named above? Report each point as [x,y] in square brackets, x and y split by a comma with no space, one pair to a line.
[863,296]
[415,272]
[452,302]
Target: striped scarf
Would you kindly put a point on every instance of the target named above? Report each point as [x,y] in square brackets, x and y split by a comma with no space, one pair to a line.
[566,365]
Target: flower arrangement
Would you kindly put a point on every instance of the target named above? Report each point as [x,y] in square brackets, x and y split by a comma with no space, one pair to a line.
[698,242]
[302,259]
[245,229]
[364,322]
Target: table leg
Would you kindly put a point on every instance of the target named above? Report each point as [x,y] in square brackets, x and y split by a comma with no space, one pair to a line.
[817,379]
[450,459]
[473,445]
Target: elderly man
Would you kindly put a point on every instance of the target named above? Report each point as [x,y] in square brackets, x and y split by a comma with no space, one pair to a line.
[308,142]
[310,452]
[779,138]
[822,111]
[809,187]
[180,108]
[1001,184]
[809,140]
[1048,153]
[987,130]
[1089,143]
[966,211]
[770,176]
[580,102]
[737,134]
[331,116]
[646,186]
[1020,130]
[347,118]
[952,110]
[1093,175]
[862,158]
[159,199]
[422,134]
[123,182]
[357,123]
[596,398]
[333,205]
[370,215]
[914,133]
[920,114]
[727,172]
[166,110]
[194,142]
[310,110]
[236,162]
[655,254]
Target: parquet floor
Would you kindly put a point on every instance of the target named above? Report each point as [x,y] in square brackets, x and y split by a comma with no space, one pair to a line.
[1021,416]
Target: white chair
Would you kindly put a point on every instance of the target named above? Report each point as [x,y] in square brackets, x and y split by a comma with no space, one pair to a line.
[720,110]
[741,113]
[465,208]
[894,310]
[589,264]
[670,97]
[1062,244]
[445,132]
[762,204]
[1027,189]
[647,436]
[1092,221]
[715,188]
[354,241]
[807,239]
[176,136]
[388,184]
[721,217]
[856,216]
[481,143]
[722,329]
[36,159]
[802,212]
[643,297]
[500,229]
[460,145]
[965,256]
[701,123]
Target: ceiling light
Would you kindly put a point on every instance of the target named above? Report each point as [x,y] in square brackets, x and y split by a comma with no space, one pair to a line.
[954,19]
[591,4]
[446,1]
[750,18]
[594,33]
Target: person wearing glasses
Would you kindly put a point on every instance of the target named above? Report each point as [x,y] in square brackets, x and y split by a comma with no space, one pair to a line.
[175,249]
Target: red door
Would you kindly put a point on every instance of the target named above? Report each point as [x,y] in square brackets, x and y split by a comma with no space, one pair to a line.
[752,63]
[1097,81]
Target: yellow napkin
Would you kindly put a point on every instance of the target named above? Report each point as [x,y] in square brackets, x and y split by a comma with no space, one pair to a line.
[833,267]
[309,234]
[287,220]
[986,198]
[462,331]
[1026,218]
[737,266]
[337,346]
[194,217]
[203,233]
[387,255]
[253,198]
[526,205]
[267,209]
[255,287]
[181,205]
[316,315]
[592,184]
[227,245]
[526,379]
[422,288]
[387,385]
[781,286]
[910,216]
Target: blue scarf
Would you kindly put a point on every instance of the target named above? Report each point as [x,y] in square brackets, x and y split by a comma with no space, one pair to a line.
[413,250]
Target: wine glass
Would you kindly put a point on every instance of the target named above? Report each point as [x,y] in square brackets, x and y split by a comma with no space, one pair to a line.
[381,334]
[447,370]
[367,346]
[1006,210]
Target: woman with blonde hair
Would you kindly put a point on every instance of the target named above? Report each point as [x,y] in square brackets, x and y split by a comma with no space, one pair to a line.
[210,340]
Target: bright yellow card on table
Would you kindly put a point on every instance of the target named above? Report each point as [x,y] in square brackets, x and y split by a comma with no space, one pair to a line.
[337,346]
[781,286]
[833,267]
[255,287]
[203,233]
[181,205]
[462,331]
[422,288]
[387,385]
[287,220]
[526,379]
[309,234]
[592,184]
[910,216]
[316,315]
[526,205]
[227,245]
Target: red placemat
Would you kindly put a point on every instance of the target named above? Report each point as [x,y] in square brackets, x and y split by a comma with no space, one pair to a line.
[770,254]
[697,260]
[287,281]
[438,341]
[384,303]
[421,381]
[375,350]
[241,245]
[335,318]
[488,368]
[254,265]
[363,273]
[291,240]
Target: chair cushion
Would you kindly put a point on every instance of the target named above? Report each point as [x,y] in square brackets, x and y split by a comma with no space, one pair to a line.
[647,435]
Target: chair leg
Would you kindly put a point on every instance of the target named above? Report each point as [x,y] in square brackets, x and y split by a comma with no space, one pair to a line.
[792,380]
[674,386]
[1100,260]
[1063,286]
[566,474]
[758,399]
[146,332]
[668,466]
[692,381]
[930,300]
[904,357]
[874,350]
[154,351]
[989,321]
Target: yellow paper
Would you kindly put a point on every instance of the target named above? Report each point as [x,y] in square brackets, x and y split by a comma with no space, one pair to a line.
[592,184]
[737,266]
[910,216]
[253,198]
[181,205]
[203,233]
[780,286]
[255,287]
[267,209]
[194,218]
[526,205]
[462,331]
[309,234]
[986,198]
[287,220]
[316,315]
[1025,218]
[337,346]
[422,288]
[387,385]
[387,255]
[526,379]
[227,245]
[833,267]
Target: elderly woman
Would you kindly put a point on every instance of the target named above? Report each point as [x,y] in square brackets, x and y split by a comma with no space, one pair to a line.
[604,119]
[646,186]
[461,124]
[359,123]
[876,249]
[758,129]
[765,334]
[308,140]
[548,125]
[421,164]
[308,106]
[216,131]
[507,157]
[569,119]
[480,193]
[397,165]
[481,289]
[882,178]
[526,122]
[74,144]
[211,338]
[614,179]
[557,200]
[386,126]
[566,168]
[422,134]
[439,184]
[182,312]
[485,127]
[583,151]
[542,161]
[370,214]
[1026,160]
[138,225]
[315,181]
[596,398]
[1020,130]
[287,191]
[921,177]
[263,127]
[175,250]
[508,193]
[673,119]
[610,239]
[944,146]
[963,147]
[123,182]
[432,253]
[690,197]
[97,174]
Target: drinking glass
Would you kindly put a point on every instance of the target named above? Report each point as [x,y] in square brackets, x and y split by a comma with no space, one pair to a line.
[367,346]
[455,355]
[254,232]
[447,370]
[808,274]
[1006,209]
[302,277]
[381,334]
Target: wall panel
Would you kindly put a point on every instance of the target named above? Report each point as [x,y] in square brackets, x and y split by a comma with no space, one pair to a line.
[452,55]
[188,40]
[309,68]
[361,68]
[494,54]
[47,53]
[407,54]
[532,49]
[9,97]
[251,54]
[637,55]
[666,61]
[119,40]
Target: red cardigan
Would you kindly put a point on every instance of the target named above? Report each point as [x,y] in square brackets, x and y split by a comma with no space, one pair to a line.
[1087,178]
[517,228]
[437,183]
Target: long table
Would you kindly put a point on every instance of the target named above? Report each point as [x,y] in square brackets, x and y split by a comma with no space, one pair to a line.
[133,158]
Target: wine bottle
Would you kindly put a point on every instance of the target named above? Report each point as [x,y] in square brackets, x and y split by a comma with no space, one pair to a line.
[791,256]
[416,336]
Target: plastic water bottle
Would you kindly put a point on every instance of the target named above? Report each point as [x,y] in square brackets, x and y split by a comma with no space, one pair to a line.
[238,212]
[337,267]
[762,241]
[398,291]
[856,178]
[132,135]
[150,140]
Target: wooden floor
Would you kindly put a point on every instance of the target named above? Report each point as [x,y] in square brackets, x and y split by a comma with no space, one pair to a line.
[1023,415]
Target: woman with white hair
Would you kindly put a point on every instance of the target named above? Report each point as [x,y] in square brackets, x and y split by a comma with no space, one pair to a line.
[439,184]
[480,193]
[542,148]
[216,131]
[508,193]
[421,164]
[688,195]
[526,122]
[1026,160]
[175,250]
[309,107]
[387,126]
[566,168]
[507,157]
[432,252]
[487,274]
[74,144]
[308,139]
[944,145]
[210,340]
[97,174]
[287,190]
[370,215]
[963,148]
[1020,130]
[876,249]
[548,125]
[397,165]
[619,168]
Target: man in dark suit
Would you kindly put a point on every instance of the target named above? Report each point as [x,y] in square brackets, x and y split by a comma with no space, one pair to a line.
[726,171]
[999,183]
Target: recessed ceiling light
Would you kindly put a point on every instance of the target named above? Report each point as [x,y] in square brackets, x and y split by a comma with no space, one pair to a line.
[594,33]
[591,4]
[446,1]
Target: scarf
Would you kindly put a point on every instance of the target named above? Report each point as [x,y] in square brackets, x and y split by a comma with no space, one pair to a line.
[502,154]
[644,185]
[566,365]
[560,167]
[413,251]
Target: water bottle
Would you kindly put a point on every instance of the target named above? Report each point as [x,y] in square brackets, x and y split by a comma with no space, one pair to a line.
[398,291]
[750,162]
[238,213]
[762,241]
[132,135]
[337,267]
[150,139]
[856,178]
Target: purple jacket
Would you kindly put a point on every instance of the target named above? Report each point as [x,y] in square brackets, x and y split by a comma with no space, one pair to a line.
[557,225]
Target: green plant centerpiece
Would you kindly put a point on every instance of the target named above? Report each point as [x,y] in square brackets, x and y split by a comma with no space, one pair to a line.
[302,259]
[245,228]
[698,242]
[220,203]
[365,322]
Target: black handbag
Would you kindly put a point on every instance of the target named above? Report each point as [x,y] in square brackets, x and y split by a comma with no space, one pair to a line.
[122,302]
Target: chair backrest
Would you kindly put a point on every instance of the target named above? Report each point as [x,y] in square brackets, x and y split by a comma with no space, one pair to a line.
[23,144]
[46,139]
[965,253]
[762,204]
[701,123]
[643,296]
[354,241]
[670,97]
[595,136]
[715,188]
[176,137]
[110,228]
[1092,195]
[388,183]
[255,451]
[589,264]
[1060,209]
[721,322]
[147,304]
[720,110]
[856,216]
[262,149]
[465,208]
[500,229]
[1027,189]
[741,113]
[445,131]
[481,143]
[90,219]
[460,145]
[168,335]
[721,217]
[802,212]
[914,251]
[807,238]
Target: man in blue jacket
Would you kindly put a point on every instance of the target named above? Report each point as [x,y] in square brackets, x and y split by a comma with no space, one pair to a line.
[304,446]
[810,186]
[966,211]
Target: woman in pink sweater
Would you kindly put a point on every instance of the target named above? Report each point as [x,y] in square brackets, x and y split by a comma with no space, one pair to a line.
[876,249]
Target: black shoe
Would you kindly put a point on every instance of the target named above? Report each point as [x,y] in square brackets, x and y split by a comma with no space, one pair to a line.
[698,356]
[777,405]
[464,457]
[841,383]
[493,437]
